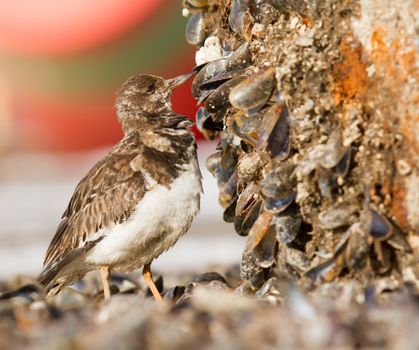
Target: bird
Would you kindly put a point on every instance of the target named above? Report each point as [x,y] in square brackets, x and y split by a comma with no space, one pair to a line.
[137,201]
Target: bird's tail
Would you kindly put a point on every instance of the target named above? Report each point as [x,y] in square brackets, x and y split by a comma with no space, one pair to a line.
[53,280]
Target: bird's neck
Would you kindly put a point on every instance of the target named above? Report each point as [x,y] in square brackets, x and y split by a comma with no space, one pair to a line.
[162,139]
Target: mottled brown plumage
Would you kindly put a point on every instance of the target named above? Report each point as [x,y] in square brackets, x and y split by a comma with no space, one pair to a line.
[157,150]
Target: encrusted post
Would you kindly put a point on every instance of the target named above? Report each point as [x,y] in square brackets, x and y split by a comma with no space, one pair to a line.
[316,106]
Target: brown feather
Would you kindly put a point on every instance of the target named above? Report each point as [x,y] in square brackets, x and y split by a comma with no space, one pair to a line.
[99,200]
[49,273]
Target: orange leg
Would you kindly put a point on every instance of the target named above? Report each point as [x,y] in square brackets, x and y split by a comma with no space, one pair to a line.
[105,272]
[148,278]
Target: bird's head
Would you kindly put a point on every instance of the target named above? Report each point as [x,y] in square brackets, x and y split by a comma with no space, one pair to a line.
[144,96]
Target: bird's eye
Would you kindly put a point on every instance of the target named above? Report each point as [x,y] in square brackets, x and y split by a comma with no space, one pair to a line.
[151,89]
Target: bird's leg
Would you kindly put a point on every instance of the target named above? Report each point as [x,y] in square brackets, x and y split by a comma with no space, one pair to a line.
[148,278]
[105,272]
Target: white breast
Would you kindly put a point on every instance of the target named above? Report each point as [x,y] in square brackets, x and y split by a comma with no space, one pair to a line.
[160,218]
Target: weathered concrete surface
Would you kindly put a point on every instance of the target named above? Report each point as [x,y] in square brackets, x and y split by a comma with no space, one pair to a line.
[386,33]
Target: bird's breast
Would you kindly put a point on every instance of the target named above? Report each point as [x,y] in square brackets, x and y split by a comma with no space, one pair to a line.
[163,215]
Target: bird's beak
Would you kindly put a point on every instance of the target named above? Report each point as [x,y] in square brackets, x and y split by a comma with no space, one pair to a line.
[179,80]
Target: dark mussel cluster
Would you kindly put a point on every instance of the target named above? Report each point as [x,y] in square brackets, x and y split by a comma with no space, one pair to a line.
[264,177]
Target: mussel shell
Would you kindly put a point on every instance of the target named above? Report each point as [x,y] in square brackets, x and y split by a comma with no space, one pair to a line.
[279,144]
[336,216]
[239,18]
[125,283]
[218,100]
[273,286]
[238,60]
[195,29]
[277,205]
[229,212]
[279,182]
[326,271]
[199,67]
[357,246]
[259,229]
[269,119]
[264,252]
[244,223]
[249,166]
[213,162]
[384,258]
[204,95]
[214,166]
[204,121]
[250,271]
[201,116]
[381,228]
[210,125]
[209,134]
[235,18]
[229,158]
[332,151]
[228,191]
[310,161]
[287,225]
[208,277]
[254,91]
[174,293]
[328,156]
[247,128]
[398,241]
[209,71]
[343,166]
[220,79]
[246,198]
[326,183]
[297,259]
[246,210]
[238,226]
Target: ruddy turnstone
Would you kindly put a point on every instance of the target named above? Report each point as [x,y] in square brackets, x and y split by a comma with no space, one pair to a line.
[136,202]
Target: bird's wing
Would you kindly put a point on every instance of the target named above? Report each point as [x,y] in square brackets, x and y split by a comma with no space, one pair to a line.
[107,195]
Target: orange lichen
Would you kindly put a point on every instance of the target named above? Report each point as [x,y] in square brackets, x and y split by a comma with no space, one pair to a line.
[308,22]
[396,59]
[396,62]
[388,99]
[398,208]
[350,72]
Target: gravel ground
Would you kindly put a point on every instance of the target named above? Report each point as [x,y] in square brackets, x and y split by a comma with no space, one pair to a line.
[208,311]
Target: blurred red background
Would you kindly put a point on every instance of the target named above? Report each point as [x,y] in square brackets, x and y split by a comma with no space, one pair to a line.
[61,63]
